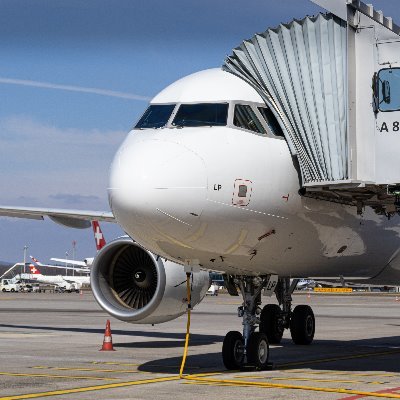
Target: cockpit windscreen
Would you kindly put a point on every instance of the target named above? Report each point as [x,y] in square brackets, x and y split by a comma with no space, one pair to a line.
[203,114]
[156,116]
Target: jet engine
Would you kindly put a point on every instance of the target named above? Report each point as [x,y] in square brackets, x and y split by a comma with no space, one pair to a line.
[134,285]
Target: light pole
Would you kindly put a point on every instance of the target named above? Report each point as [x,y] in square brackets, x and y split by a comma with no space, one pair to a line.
[66,263]
[25,249]
[73,257]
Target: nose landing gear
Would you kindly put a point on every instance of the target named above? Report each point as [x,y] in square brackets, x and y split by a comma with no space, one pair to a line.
[233,350]
[251,347]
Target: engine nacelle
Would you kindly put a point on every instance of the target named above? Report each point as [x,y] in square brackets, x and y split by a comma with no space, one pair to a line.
[134,285]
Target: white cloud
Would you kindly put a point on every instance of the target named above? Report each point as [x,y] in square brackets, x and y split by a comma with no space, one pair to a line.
[20,128]
[73,198]
[42,164]
[72,88]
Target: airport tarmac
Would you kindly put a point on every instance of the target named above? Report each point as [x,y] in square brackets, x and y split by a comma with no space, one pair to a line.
[49,347]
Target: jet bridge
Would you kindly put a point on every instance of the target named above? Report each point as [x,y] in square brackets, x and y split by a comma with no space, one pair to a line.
[333,83]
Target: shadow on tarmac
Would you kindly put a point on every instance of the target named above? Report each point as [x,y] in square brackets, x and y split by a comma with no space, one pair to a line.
[369,355]
[179,338]
[365,355]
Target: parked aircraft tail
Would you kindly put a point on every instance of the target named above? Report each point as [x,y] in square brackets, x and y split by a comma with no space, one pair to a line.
[34,270]
[36,261]
[98,235]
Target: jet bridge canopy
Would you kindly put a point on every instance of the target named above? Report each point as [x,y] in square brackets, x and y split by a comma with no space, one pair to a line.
[333,82]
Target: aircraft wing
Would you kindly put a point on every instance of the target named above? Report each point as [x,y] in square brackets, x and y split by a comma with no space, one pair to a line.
[71,262]
[71,218]
[76,269]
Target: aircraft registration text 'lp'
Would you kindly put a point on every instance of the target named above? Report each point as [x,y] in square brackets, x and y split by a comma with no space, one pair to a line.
[213,177]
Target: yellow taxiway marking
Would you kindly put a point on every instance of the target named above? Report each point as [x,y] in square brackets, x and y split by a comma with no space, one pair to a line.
[89,388]
[134,371]
[230,382]
[339,358]
[342,373]
[291,378]
[114,363]
[210,384]
[57,376]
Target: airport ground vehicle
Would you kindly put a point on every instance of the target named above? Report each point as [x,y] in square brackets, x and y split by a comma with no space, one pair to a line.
[213,290]
[8,285]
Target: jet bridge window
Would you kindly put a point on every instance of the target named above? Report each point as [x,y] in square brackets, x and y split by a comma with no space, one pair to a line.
[246,118]
[203,114]
[389,89]
[271,121]
[156,116]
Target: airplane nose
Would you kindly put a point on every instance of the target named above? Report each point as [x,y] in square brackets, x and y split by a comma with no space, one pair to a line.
[159,182]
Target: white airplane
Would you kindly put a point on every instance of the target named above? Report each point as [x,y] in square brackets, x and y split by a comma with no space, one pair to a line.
[306,284]
[88,261]
[206,180]
[37,263]
[67,282]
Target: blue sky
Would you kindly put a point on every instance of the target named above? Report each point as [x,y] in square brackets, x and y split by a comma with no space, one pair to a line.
[57,142]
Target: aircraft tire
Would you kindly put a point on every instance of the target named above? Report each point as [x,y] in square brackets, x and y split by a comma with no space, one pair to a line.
[258,350]
[232,350]
[302,325]
[269,323]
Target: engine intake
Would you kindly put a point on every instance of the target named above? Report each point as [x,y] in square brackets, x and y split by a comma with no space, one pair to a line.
[133,277]
[134,285]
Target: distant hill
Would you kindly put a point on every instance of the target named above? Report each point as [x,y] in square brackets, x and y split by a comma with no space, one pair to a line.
[6,264]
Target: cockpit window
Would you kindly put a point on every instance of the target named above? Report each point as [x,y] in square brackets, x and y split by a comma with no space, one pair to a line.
[156,116]
[203,114]
[246,118]
[271,121]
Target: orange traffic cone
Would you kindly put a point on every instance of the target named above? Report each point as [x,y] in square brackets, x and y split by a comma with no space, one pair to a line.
[308,295]
[107,341]
[397,298]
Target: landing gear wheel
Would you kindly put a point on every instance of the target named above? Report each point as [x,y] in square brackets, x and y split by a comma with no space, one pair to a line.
[233,350]
[258,350]
[269,323]
[302,325]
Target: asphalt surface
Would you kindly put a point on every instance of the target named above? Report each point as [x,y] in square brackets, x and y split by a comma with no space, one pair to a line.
[49,347]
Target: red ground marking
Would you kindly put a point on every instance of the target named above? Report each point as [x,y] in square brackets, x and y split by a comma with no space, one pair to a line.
[362,396]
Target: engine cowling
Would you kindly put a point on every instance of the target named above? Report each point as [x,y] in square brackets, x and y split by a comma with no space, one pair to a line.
[134,285]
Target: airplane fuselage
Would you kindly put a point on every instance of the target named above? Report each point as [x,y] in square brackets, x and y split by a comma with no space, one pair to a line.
[227,198]
[184,187]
